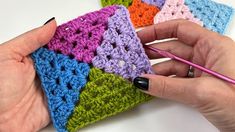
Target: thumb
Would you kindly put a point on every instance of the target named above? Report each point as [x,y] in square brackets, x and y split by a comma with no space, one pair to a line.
[177,89]
[30,41]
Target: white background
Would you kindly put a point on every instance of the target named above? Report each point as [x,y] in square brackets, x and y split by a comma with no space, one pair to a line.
[18,16]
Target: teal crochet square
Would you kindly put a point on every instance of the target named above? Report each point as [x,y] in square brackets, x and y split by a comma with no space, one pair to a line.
[215,16]
[62,79]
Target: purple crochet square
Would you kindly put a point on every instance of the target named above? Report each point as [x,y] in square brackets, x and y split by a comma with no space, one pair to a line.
[158,3]
[121,52]
[80,37]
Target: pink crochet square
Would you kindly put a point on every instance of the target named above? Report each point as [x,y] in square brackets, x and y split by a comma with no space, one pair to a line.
[175,9]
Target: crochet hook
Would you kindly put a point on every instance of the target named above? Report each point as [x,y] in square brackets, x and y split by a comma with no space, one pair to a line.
[172,56]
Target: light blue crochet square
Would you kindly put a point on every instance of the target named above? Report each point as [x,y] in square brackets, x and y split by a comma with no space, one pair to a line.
[62,78]
[215,16]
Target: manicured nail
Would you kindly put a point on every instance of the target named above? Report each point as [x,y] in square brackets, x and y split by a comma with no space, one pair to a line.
[49,20]
[141,83]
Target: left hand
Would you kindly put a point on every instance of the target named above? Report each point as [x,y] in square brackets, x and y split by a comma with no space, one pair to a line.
[23,106]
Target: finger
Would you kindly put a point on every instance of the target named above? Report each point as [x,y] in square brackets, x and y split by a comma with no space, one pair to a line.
[171,67]
[177,89]
[31,40]
[186,32]
[174,46]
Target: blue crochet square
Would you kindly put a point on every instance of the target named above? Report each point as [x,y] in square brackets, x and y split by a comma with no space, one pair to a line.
[62,78]
[215,16]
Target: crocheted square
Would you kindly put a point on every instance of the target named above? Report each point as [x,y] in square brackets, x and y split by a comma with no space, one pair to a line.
[104,95]
[62,79]
[142,14]
[175,9]
[64,73]
[126,3]
[80,37]
[215,16]
[158,3]
[121,52]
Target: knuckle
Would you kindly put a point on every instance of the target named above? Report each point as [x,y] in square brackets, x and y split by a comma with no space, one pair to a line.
[162,87]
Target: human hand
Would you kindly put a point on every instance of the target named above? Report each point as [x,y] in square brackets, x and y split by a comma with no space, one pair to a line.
[213,97]
[23,106]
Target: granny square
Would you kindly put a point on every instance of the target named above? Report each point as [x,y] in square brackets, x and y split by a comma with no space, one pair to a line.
[86,68]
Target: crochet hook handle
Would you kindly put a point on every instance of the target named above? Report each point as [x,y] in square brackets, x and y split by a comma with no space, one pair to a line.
[172,56]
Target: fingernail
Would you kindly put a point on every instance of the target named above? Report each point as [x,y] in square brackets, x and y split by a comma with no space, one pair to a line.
[141,83]
[49,20]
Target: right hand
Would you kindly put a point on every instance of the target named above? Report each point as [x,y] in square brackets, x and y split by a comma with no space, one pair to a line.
[213,97]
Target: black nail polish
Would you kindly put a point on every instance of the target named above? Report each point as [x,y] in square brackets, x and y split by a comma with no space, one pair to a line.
[49,20]
[141,83]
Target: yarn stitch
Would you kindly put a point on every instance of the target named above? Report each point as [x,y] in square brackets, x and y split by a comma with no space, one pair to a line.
[62,79]
[158,3]
[126,3]
[215,16]
[121,52]
[104,95]
[142,14]
[80,37]
[175,9]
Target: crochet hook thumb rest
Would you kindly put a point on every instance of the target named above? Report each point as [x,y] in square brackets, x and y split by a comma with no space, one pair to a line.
[172,56]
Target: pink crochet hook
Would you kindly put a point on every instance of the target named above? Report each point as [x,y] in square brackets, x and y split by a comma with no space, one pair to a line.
[172,56]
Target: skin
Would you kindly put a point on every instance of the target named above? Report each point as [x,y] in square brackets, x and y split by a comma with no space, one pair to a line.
[22,101]
[213,97]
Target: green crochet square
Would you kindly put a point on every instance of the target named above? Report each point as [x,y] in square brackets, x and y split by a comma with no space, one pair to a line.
[126,3]
[104,95]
